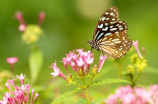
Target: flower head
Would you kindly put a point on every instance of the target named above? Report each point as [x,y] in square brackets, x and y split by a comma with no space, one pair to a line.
[79,62]
[129,95]
[31,33]
[18,95]
[57,71]
[12,60]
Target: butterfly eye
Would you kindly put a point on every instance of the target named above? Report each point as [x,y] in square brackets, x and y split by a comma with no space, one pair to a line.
[110,34]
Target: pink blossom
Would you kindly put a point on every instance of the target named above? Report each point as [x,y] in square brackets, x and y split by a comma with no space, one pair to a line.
[128,95]
[135,43]
[20,95]
[143,49]
[41,18]
[57,72]
[21,77]
[112,99]
[101,62]
[12,60]
[22,27]
[80,62]
[19,16]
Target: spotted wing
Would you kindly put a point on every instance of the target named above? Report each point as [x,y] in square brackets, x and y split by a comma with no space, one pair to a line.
[115,45]
[114,28]
[108,18]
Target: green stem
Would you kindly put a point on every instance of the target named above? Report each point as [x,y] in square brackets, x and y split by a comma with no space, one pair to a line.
[87,95]
[137,77]
[120,68]
[77,84]
[132,80]
[90,80]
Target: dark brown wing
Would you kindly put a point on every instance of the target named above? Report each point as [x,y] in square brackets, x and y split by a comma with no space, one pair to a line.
[109,17]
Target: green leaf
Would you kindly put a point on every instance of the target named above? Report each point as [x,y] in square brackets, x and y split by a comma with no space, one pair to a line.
[66,94]
[82,101]
[35,63]
[107,81]
[150,69]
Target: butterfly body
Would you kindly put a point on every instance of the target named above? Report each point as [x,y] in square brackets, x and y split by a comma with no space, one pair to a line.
[110,35]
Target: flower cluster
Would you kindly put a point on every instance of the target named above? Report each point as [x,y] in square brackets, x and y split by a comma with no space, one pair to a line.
[20,95]
[138,61]
[127,95]
[31,33]
[80,63]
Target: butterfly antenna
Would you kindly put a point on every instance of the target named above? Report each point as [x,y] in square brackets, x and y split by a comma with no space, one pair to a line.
[81,43]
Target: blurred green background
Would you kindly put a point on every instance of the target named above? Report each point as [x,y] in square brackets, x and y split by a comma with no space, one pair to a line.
[68,25]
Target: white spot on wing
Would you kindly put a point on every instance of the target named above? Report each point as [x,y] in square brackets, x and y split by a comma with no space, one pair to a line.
[106,13]
[101,25]
[105,29]
[106,24]
[107,34]
[113,29]
[111,14]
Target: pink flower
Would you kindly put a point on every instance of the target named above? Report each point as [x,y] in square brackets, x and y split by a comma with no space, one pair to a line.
[135,43]
[12,60]
[41,18]
[56,69]
[57,72]
[143,49]
[20,95]
[101,62]
[112,99]
[21,77]
[80,63]
[23,25]
[129,98]
[127,95]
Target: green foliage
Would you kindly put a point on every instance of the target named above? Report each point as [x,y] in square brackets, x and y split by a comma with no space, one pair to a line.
[108,81]
[35,63]
[66,94]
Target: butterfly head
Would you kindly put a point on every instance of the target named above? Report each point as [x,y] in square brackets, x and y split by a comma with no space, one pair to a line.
[93,44]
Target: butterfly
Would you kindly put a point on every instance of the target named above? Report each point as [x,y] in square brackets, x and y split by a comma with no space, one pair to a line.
[110,35]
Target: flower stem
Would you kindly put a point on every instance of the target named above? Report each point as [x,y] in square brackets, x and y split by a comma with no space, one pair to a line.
[120,68]
[87,95]
[11,68]
[137,77]
[91,80]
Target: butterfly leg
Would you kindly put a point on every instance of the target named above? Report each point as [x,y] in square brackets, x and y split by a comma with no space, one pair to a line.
[91,49]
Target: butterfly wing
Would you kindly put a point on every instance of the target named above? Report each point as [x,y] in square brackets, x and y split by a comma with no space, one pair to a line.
[110,34]
[115,45]
[109,17]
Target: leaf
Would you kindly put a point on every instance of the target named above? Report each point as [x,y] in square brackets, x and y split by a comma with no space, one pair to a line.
[107,81]
[66,94]
[35,63]
[82,101]
[150,69]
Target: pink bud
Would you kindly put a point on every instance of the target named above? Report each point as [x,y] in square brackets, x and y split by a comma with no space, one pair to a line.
[20,18]
[22,27]
[135,44]
[41,18]
[143,49]
[12,60]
